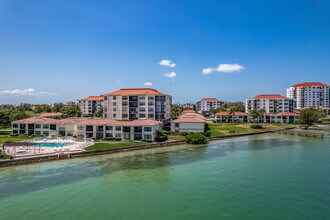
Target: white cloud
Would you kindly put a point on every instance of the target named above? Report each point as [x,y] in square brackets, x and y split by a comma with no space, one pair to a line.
[26,92]
[229,68]
[148,84]
[168,63]
[208,70]
[170,75]
[224,68]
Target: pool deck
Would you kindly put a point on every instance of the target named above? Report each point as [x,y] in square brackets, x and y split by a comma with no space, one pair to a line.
[29,150]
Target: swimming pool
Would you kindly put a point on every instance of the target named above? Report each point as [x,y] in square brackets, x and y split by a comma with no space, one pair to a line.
[47,144]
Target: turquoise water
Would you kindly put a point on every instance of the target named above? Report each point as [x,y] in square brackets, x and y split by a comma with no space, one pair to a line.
[258,177]
[46,144]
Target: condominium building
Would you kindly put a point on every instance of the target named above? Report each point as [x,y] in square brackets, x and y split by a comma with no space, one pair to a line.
[139,103]
[310,95]
[141,129]
[271,103]
[90,105]
[206,104]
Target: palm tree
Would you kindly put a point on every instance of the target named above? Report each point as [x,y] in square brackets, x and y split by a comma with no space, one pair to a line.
[230,113]
[262,114]
[254,114]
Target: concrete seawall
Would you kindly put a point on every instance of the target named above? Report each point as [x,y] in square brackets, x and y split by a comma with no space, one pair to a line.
[45,158]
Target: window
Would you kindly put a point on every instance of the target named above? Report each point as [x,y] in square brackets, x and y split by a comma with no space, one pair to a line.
[37,132]
[114,115]
[109,135]
[114,103]
[142,109]
[114,109]
[147,137]
[80,128]
[147,129]
[105,98]
[45,126]
[118,135]
[118,128]
[38,126]
[142,115]
[46,133]
[114,97]
[109,128]
[15,125]
[142,97]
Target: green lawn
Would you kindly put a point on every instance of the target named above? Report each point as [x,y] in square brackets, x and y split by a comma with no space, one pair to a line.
[6,138]
[114,144]
[220,129]
[176,137]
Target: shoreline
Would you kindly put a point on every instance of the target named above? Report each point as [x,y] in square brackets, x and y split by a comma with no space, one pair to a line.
[66,156]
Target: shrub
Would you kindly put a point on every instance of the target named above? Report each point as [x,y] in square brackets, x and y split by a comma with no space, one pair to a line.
[231,131]
[5,157]
[196,138]
[117,139]
[108,138]
[183,133]
[161,137]
[207,133]
[256,126]
[14,135]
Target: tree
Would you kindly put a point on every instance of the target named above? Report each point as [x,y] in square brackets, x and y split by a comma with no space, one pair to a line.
[309,116]
[176,110]
[57,107]
[99,113]
[230,113]
[71,111]
[254,114]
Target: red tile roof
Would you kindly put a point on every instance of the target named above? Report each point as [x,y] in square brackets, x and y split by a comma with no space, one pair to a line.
[36,121]
[51,114]
[288,114]
[223,113]
[135,91]
[309,84]
[92,98]
[188,111]
[190,118]
[270,96]
[209,100]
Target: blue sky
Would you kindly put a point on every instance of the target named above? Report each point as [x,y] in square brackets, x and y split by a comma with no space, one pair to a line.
[59,50]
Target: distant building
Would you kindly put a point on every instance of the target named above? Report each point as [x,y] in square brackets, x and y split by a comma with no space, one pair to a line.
[90,105]
[271,103]
[206,104]
[188,122]
[137,103]
[70,103]
[310,95]
[188,106]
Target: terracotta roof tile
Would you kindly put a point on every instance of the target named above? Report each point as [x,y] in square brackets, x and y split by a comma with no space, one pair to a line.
[209,100]
[135,91]
[223,113]
[307,84]
[269,96]
[92,98]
